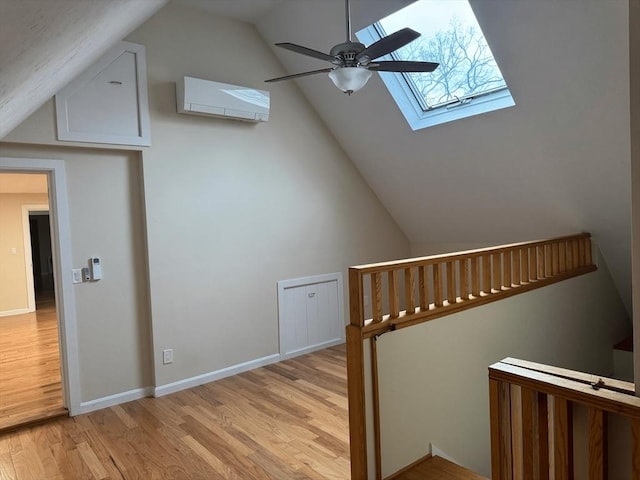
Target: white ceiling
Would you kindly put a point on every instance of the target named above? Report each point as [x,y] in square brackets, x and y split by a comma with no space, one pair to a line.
[244,10]
[558,162]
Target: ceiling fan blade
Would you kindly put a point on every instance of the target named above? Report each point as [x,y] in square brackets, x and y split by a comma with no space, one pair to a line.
[389,44]
[298,75]
[309,52]
[402,66]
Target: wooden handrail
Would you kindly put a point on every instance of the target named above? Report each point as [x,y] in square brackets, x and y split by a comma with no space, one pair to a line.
[531,403]
[450,283]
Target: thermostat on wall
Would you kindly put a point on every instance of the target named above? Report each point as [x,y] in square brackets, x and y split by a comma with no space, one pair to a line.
[96,268]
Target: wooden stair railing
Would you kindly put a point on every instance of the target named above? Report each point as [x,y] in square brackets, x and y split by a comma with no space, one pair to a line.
[531,410]
[403,293]
[407,292]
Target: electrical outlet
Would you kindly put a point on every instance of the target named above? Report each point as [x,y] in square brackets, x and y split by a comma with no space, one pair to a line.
[77,275]
[167,356]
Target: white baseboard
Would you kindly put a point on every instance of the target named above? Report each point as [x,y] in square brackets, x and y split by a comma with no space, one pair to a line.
[312,348]
[118,398]
[436,452]
[18,311]
[212,376]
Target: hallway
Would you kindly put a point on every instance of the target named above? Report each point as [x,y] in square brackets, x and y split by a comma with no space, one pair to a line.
[30,381]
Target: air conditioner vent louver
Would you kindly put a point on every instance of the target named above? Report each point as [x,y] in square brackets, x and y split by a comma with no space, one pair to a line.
[195,96]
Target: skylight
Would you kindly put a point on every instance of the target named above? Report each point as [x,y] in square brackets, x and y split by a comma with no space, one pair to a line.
[468,80]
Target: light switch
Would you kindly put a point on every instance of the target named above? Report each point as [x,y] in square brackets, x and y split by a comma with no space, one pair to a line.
[77,275]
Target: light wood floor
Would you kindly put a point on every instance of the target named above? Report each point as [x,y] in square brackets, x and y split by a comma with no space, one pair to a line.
[437,468]
[30,385]
[285,421]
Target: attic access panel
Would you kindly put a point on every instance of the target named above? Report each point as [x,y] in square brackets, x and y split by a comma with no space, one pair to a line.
[467,82]
[107,103]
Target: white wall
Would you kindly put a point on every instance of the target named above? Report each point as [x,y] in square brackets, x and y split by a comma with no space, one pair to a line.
[433,377]
[231,208]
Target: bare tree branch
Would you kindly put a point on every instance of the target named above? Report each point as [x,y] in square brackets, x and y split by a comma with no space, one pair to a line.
[466,65]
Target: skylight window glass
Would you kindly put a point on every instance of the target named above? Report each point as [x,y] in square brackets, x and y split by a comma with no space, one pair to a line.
[468,79]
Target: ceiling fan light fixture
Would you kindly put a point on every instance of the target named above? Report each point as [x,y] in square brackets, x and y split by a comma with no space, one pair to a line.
[349,79]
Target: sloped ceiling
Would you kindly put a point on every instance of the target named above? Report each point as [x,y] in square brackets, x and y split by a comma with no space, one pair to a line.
[45,44]
[558,162]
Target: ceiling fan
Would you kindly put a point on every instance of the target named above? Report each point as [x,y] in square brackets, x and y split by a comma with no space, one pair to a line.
[353,62]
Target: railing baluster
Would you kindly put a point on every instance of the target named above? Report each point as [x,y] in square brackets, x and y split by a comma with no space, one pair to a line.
[548,261]
[356,298]
[587,251]
[464,279]
[506,453]
[582,254]
[524,257]
[516,431]
[516,267]
[486,274]
[475,276]
[539,252]
[569,255]
[497,271]
[423,286]
[506,268]
[409,291]
[563,436]
[394,294]
[562,257]
[376,296]
[437,284]
[529,433]
[576,253]
[598,450]
[533,265]
[635,448]
[543,436]
[496,434]
[555,262]
[451,283]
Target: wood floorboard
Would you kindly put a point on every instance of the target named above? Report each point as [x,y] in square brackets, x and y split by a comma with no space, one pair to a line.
[281,422]
[30,381]
[437,468]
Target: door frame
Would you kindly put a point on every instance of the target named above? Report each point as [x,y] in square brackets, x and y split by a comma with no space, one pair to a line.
[28,254]
[62,265]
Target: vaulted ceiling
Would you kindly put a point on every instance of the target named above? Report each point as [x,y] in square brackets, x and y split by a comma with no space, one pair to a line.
[558,162]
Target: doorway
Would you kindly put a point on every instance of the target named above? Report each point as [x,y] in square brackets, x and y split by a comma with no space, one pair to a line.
[41,266]
[62,263]
[31,387]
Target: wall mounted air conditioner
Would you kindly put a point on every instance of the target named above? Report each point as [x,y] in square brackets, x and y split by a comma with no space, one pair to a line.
[214,99]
